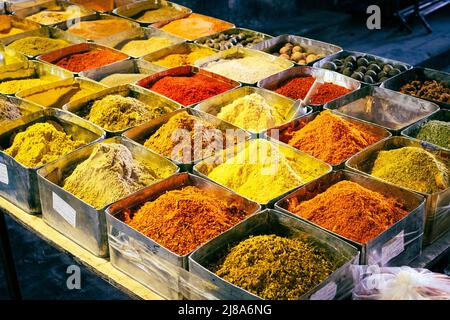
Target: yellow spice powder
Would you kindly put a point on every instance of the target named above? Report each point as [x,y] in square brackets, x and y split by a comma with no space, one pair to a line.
[176,59]
[14,86]
[139,48]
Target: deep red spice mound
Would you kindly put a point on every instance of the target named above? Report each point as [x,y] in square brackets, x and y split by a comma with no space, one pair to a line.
[188,90]
[327,92]
[296,88]
[88,60]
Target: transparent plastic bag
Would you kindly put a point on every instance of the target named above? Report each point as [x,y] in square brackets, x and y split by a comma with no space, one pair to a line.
[400,283]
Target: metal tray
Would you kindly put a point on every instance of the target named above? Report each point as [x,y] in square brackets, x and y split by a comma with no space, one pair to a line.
[22,24]
[321,75]
[214,105]
[126,66]
[81,107]
[417,73]
[396,246]
[10,57]
[412,131]
[203,40]
[25,107]
[130,11]
[297,124]
[143,132]
[389,109]
[114,4]
[84,84]
[313,46]
[56,55]
[204,167]
[437,205]
[337,286]
[19,183]
[185,71]
[70,215]
[153,265]
[345,53]
[238,52]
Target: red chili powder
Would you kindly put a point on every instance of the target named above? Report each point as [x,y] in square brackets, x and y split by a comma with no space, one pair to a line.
[296,88]
[88,60]
[188,90]
[327,92]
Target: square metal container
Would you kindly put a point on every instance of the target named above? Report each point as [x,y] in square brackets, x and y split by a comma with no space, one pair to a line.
[337,286]
[203,40]
[19,184]
[238,52]
[126,66]
[417,73]
[386,108]
[132,10]
[143,132]
[82,107]
[437,206]
[70,215]
[54,56]
[413,131]
[345,53]
[142,258]
[204,167]
[10,57]
[314,46]
[83,82]
[185,71]
[25,107]
[92,4]
[215,104]
[22,24]
[297,124]
[396,246]
[321,75]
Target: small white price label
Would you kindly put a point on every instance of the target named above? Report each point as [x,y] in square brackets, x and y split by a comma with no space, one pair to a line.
[393,248]
[327,292]
[4,174]
[64,210]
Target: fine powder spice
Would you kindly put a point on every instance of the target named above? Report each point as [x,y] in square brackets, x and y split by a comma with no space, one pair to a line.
[184,59]
[139,48]
[56,14]
[170,139]
[252,112]
[109,174]
[413,168]
[189,89]
[261,171]
[8,110]
[41,143]
[33,46]
[88,60]
[97,29]
[118,79]
[428,89]
[14,86]
[296,88]
[330,138]
[350,210]
[327,92]
[276,268]
[182,220]
[161,14]
[436,132]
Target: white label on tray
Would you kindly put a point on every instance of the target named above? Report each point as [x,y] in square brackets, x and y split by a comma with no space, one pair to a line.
[4,173]
[65,210]
[328,292]
[393,248]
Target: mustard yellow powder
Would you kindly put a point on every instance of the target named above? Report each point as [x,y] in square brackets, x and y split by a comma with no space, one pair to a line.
[176,59]
[139,48]
[14,86]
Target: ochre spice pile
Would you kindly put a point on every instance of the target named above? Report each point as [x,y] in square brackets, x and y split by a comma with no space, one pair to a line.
[78,62]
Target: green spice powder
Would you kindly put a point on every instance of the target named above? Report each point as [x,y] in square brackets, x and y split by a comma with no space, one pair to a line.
[436,132]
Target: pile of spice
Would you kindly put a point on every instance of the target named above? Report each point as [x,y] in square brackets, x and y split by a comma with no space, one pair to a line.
[33,46]
[276,268]
[56,14]
[96,58]
[252,112]
[297,53]
[97,29]
[327,92]
[41,143]
[97,5]
[8,110]
[161,14]
[436,132]
[182,220]
[9,27]
[296,88]
[330,138]
[14,86]
[428,89]
[350,210]
[189,89]
[413,168]
[109,174]
[184,59]
[245,69]
[139,48]
[170,139]
[196,26]
[261,171]
[115,112]
[118,79]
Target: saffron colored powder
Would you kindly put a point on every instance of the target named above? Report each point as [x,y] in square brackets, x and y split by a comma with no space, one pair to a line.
[88,60]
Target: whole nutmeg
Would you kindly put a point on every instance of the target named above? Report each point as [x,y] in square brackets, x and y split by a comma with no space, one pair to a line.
[285,56]
[285,50]
[297,49]
[311,58]
[303,61]
[296,56]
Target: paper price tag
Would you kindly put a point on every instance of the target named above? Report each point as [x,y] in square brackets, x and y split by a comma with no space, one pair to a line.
[4,174]
[328,292]
[393,248]
[64,210]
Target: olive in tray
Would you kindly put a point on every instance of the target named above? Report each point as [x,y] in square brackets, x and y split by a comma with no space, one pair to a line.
[224,41]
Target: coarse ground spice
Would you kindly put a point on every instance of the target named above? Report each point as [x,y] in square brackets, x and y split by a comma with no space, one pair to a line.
[296,88]
[350,210]
[139,48]
[436,132]
[78,62]
[118,79]
[14,86]
[34,46]
[184,59]
[182,220]
[189,89]
[8,110]
[98,29]
[327,92]
[330,138]
[276,268]
[428,89]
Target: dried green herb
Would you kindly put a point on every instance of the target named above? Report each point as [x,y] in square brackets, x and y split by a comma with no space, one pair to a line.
[436,132]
